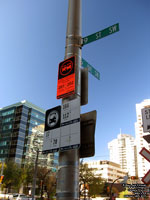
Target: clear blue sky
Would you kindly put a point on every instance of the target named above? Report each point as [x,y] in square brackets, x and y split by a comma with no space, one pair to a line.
[32,44]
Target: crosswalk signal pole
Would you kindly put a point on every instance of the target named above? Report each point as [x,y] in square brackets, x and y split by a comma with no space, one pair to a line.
[68,170]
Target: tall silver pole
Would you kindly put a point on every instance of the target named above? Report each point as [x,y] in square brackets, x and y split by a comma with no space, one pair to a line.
[34,175]
[68,171]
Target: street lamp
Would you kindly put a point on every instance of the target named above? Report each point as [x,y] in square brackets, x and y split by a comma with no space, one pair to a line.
[125,178]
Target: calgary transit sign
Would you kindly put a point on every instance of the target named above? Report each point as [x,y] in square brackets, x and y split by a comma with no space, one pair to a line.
[66,78]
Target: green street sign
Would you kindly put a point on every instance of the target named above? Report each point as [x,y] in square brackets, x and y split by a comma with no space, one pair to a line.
[91,69]
[100,34]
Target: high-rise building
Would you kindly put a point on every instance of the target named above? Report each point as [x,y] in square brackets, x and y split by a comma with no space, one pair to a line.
[142,163]
[123,151]
[34,149]
[21,133]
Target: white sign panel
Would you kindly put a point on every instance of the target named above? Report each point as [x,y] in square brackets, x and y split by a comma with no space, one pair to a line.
[146,119]
[51,141]
[62,127]
[70,125]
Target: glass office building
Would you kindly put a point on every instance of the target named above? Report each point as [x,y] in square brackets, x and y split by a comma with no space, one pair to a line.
[21,133]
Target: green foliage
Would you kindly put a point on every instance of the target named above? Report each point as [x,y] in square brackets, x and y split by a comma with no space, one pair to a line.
[51,186]
[29,170]
[14,176]
[90,181]
[96,186]
[86,174]
[46,179]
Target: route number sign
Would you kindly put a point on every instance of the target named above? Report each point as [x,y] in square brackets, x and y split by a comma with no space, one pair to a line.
[66,78]
[62,127]
[70,125]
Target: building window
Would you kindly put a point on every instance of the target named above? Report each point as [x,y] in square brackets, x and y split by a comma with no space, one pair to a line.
[9,112]
[9,119]
[3,143]
[6,127]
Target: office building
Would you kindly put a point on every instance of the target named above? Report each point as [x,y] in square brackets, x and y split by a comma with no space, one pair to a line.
[21,133]
[123,151]
[142,163]
[108,170]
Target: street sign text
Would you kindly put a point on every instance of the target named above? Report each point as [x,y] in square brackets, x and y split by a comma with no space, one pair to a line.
[100,34]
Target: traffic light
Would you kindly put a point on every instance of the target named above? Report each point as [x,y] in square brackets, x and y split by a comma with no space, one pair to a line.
[1,178]
[134,177]
[108,189]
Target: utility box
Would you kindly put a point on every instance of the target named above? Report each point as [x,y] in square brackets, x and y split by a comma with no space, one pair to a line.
[88,123]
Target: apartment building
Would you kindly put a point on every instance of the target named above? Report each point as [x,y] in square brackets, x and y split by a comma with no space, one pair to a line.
[123,151]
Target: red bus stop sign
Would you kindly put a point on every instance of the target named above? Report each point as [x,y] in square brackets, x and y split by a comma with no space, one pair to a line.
[66,78]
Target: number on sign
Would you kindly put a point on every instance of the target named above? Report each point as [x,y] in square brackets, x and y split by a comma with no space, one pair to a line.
[85,40]
[65,115]
[66,106]
[54,141]
[98,35]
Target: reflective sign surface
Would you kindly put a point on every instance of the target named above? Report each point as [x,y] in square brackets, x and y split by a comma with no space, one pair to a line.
[66,78]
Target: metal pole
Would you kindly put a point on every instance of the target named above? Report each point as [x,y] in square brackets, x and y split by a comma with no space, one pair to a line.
[68,171]
[125,178]
[35,174]
[112,186]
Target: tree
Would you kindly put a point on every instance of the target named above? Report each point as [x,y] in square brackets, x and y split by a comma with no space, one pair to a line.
[46,178]
[89,181]
[51,186]
[96,186]
[14,176]
[29,170]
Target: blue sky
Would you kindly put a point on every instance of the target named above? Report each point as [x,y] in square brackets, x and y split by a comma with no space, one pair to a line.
[32,44]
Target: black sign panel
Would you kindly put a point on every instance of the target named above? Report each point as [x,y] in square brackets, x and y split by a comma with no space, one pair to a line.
[52,119]
[88,123]
[66,67]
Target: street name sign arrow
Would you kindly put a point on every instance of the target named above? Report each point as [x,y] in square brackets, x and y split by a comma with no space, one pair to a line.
[91,69]
[146,154]
[100,34]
